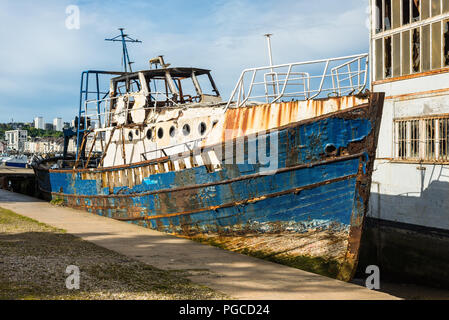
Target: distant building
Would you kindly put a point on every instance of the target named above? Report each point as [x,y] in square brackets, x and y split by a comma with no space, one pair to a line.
[49,126]
[16,139]
[2,147]
[39,123]
[45,145]
[57,124]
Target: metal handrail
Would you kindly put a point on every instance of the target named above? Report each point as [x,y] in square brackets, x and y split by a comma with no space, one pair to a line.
[348,76]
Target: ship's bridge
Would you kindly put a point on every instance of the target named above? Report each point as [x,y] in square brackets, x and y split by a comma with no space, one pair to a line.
[168,86]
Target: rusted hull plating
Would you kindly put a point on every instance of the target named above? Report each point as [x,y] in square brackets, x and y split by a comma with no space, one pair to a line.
[308,212]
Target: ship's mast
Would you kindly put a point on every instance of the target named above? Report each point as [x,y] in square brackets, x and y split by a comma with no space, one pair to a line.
[270,57]
[124,38]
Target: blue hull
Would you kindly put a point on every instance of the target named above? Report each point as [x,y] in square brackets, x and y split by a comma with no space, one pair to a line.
[308,212]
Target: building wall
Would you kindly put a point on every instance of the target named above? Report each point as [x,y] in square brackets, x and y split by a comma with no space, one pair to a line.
[411,176]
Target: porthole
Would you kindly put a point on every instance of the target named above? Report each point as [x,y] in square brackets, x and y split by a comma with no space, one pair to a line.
[160,133]
[137,132]
[149,134]
[186,129]
[330,149]
[202,128]
[130,136]
[172,131]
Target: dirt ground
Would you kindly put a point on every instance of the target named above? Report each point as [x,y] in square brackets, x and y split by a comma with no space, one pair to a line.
[34,258]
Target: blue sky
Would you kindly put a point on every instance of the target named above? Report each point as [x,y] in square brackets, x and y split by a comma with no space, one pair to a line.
[41,60]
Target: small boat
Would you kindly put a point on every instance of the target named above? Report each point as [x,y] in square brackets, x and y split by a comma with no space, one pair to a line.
[20,161]
[281,170]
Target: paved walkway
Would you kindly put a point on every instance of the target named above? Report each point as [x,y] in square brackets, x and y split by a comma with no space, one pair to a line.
[237,275]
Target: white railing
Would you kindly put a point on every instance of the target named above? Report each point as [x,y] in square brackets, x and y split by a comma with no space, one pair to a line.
[302,80]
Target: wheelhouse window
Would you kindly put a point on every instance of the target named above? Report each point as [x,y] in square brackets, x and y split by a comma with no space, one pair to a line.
[180,85]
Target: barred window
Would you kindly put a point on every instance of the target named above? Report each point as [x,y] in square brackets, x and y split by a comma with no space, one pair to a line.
[402,139]
[444,139]
[430,139]
[422,139]
[414,139]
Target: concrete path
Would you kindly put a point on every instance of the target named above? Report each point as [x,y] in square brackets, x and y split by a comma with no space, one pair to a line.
[237,275]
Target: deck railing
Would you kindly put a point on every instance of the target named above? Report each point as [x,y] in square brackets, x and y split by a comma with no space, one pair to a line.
[302,80]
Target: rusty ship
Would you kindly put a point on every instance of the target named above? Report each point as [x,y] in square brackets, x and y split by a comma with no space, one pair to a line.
[280,170]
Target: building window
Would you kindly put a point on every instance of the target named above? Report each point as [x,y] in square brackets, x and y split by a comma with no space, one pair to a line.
[425,48]
[416,54]
[378,15]
[425,9]
[406,52]
[436,7]
[396,13]
[397,55]
[379,60]
[405,12]
[446,42]
[423,139]
[436,45]
[421,48]
[415,10]
[387,13]
[387,73]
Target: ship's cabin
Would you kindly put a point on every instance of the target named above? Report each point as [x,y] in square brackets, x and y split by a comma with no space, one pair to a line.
[167,87]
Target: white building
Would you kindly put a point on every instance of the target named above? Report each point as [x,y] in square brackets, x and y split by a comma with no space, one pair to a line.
[57,124]
[409,207]
[39,123]
[16,139]
[44,146]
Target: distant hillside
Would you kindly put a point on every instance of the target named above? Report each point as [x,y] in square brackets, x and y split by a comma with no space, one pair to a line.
[32,132]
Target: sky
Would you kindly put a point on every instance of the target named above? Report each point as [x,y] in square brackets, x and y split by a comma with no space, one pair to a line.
[41,59]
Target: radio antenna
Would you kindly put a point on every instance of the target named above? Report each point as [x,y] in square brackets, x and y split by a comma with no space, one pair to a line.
[124,38]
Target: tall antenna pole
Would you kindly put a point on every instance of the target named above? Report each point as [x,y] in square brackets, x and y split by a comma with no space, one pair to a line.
[270,57]
[268,36]
[124,38]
